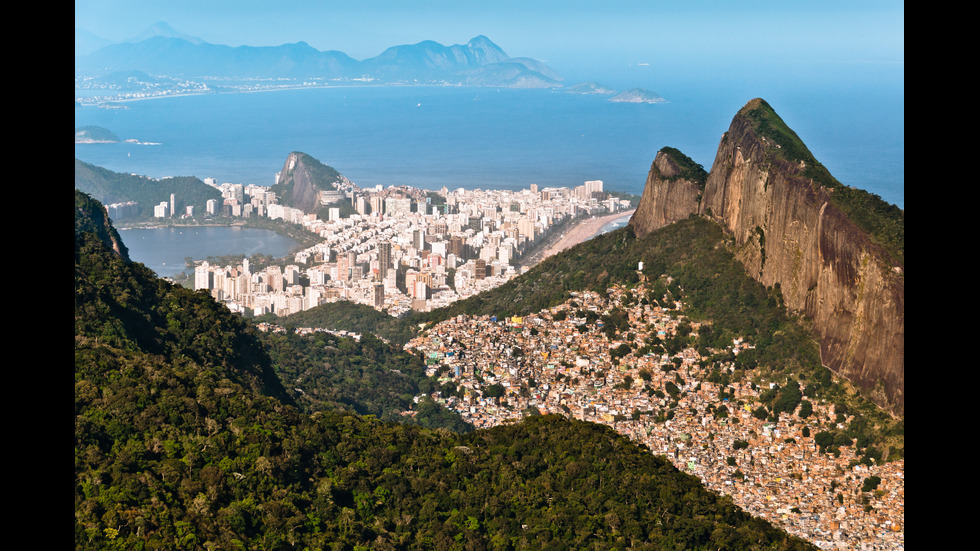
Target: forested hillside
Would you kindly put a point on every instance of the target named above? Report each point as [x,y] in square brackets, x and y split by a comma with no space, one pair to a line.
[345,315]
[186,439]
[109,187]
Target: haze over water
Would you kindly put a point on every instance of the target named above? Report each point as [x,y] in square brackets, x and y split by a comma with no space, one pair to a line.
[430,137]
[834,72]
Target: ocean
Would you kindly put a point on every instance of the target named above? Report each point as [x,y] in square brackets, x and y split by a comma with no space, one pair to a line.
[486,138]
[473,138]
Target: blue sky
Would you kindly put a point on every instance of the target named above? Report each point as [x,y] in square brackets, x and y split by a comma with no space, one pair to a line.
[570,35]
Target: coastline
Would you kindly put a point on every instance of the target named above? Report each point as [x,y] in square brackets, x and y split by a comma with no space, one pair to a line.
[87,102]
[579,233]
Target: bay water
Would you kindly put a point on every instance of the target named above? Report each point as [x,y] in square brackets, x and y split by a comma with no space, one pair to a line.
[460,137]
[486,138]
[164,250]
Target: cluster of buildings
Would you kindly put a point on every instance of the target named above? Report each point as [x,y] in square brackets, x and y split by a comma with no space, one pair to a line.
[396,249]
[562,361]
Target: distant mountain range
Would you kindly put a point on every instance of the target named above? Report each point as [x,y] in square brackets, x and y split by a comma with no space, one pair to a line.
[163,60]
[163,51]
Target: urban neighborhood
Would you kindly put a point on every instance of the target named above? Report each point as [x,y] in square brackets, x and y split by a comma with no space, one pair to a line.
[398,250]
[567,360]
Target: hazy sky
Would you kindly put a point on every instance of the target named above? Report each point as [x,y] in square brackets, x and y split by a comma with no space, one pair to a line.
[570,35]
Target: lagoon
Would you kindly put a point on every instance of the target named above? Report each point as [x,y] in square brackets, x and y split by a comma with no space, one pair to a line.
[164,250]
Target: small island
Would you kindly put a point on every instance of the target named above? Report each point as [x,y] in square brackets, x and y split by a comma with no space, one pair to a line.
[94,134]
[638,95]
[589,88]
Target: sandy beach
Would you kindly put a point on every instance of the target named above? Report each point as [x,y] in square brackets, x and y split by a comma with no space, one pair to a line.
[579,233]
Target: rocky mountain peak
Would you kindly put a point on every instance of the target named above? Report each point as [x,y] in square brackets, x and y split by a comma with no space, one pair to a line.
[797,227]
[672,192]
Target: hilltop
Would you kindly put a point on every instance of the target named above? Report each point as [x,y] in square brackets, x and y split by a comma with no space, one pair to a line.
[307,184]
[110,187]
[94,134]
[185,435]
[836,254]
[637,95]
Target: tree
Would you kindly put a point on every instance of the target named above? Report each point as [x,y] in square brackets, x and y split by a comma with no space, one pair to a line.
[495,390]
[823,439]
[871,484]
[788,398]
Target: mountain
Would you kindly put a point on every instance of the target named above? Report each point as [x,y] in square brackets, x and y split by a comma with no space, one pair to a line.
[303,182]
[123,306]
[162,28]
[110,187]
[836,254]
[87,42]
[672,192]
[184,437]
[177,57]
[163,51]
[91,218]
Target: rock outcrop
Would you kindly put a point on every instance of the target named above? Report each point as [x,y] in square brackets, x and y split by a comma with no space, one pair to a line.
[91,217]
[673,192]
[790,230]
[303,180]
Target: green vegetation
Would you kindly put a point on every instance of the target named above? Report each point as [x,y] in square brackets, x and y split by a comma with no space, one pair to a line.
[91,218]
[714,287]
[622,195]
[870,484]
[345,315]
[882,221]
[689,170]
[186,439]
[108,187]
[367,376]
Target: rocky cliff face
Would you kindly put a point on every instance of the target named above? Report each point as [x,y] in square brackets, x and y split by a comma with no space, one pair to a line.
[788,232]
[302,179]
[295,186]
[673,192]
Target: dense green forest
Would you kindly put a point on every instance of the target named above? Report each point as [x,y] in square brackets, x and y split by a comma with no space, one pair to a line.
[185,438]
[345,315]
[368,376]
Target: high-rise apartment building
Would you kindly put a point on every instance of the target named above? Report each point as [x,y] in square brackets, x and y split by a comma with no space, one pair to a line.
[384,259]
[202,276]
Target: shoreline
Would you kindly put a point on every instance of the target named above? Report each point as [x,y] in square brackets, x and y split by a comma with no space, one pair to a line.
[85,102]
[579,233]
